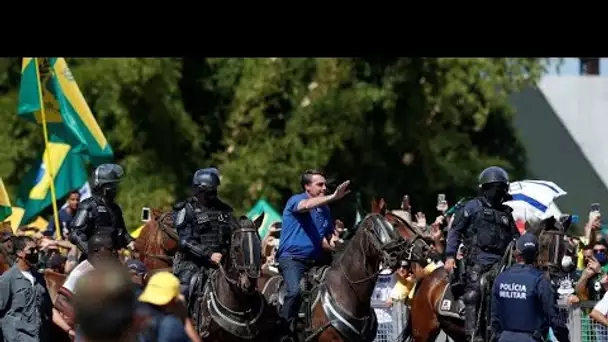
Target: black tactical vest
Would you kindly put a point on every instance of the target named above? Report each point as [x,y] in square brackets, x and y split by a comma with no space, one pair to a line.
[212,227]
[104,219]
[492,230]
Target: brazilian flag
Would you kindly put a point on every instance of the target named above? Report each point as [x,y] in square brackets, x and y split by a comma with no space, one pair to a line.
[5,203]
[69,173]
[75,138]
[69,118]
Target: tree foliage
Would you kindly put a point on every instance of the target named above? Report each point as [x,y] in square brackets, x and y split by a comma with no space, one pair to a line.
[391,125]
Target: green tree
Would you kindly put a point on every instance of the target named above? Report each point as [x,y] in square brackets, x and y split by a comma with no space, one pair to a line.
[391,125]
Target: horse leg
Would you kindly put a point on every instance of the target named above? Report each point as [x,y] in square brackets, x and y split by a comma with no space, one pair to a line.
[452,328]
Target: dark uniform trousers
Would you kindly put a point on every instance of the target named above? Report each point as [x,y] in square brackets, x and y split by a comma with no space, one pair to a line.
[473,293]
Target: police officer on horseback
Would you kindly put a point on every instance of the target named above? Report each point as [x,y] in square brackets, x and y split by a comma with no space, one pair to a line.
[203,226]
[99,214]
[487,228]
[517,293]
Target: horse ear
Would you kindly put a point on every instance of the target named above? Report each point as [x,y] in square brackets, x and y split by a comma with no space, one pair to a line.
[257,223]
[382,205]
[156,213]
[550,223]
[566,222]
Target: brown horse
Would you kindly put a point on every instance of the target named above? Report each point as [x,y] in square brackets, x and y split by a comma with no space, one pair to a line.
[54,281]
[434,308]
[231,308]
[157,241]
[338,305]
[419,242]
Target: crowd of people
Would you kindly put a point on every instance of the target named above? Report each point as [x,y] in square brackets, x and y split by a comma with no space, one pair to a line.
[108,294]
[84,283]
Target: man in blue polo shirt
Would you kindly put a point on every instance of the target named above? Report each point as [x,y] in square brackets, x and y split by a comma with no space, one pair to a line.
[65,215]
[307,227]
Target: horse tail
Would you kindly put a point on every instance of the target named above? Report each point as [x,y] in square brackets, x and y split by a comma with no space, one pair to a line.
[406,334]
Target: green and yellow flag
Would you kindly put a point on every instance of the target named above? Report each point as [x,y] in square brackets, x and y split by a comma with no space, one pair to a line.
[5,203]
[69,118]
[68,169]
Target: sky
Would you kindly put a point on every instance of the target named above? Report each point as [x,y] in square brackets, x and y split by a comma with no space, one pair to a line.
[571,67]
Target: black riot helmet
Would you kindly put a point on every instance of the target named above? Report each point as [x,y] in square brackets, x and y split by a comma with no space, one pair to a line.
[105,179]
[205,183]
[493,174]
[494,184]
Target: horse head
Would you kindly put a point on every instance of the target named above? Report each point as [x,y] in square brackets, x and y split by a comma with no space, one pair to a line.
[378,241]
[243,264]
[378,207]
[419,244]
[157,241]
[552,238]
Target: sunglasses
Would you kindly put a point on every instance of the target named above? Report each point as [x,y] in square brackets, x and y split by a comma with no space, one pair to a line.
[599,251]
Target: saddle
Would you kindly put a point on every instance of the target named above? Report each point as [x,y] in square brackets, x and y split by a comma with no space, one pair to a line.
[308,284]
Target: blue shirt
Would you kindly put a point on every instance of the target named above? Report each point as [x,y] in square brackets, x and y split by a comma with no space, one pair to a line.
[302,233]
[64,220]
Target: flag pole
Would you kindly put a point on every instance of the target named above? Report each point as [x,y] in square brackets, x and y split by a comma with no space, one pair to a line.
[47,153]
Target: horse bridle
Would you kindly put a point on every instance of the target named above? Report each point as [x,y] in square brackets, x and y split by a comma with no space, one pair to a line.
[556,244]
[390,250]
[251,270]
[170,233]
[418,241]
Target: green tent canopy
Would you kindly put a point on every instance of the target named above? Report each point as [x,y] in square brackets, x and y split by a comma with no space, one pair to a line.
[271,216]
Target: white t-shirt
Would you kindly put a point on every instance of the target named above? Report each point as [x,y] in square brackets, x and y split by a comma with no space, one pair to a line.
[29,276]
[80,270]
[602,305]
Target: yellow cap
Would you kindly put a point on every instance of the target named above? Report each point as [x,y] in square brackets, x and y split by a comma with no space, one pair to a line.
[162,288]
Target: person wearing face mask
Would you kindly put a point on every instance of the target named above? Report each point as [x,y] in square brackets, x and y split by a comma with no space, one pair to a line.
[99,214]
[24,299]
[486,226]
[589,286]
[563,281]
[203,226]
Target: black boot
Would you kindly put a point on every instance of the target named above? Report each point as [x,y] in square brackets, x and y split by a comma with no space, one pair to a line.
[470,322]
[458,280]
[291,334]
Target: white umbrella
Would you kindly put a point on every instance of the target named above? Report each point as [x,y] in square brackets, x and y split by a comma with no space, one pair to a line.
[533,200]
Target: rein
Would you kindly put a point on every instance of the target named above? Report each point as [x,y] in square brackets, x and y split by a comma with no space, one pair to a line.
[419,240]
[353,282]
[234,282]
[380,248]
[217,298]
